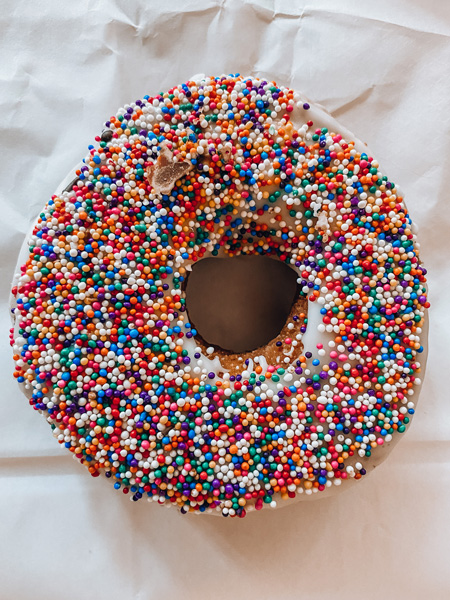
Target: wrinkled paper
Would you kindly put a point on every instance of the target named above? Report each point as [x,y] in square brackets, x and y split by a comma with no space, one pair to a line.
[382,70]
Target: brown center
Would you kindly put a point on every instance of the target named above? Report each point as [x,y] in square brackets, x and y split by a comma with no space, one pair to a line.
[240,304]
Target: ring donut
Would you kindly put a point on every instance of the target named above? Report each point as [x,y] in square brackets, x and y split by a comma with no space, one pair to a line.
[103,345]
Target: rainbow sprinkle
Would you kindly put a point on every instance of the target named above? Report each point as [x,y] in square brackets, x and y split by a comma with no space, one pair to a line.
[102,341]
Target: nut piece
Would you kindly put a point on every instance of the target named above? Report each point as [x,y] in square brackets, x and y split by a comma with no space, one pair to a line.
[165,172]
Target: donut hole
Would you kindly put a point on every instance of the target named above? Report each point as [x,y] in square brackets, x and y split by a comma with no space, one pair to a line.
[239,304]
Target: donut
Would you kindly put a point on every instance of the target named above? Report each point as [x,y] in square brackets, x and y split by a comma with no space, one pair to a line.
[222,167]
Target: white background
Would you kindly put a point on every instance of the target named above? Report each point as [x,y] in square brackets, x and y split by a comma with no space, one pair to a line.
[382,68]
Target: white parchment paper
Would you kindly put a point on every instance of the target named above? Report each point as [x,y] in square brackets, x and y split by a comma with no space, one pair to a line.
[382,69]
